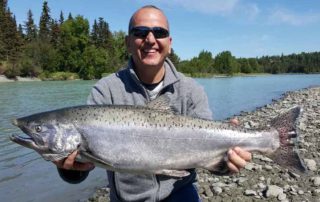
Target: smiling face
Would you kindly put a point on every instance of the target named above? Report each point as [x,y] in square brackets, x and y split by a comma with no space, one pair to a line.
[149,52]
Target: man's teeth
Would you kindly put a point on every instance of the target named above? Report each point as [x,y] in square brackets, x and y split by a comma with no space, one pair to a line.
[149,50]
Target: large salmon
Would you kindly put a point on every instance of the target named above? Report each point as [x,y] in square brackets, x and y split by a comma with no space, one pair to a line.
[152,139]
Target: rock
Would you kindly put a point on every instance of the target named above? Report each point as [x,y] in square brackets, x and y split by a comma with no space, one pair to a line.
[300,192]
[268,167]
[273,190]
[294,175]
[250,192]
[249,166]
[217,190]
[316,192]
[282,196]
[311,164]
[208,193]
[316,181]
[103,199]
[262,186]
[241,180]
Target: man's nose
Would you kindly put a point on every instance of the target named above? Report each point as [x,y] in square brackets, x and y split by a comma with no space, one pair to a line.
[150,38]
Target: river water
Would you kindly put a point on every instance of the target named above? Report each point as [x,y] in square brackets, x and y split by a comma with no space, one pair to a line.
[25,176]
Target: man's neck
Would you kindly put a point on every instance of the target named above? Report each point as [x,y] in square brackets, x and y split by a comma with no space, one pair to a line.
[150,75]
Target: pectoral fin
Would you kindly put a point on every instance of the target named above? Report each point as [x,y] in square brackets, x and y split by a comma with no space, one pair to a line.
[95,160]
[173,173]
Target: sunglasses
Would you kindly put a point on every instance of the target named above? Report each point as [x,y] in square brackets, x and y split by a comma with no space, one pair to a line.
[142,32]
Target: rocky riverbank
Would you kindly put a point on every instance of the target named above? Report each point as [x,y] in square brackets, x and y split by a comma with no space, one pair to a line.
[263,180]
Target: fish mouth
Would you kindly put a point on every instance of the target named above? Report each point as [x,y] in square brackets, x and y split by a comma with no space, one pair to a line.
[24,141]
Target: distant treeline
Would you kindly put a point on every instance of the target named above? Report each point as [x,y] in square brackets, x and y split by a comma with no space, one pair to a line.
[70,45]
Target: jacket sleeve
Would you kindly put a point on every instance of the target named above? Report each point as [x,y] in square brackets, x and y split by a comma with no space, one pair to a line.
[73,176]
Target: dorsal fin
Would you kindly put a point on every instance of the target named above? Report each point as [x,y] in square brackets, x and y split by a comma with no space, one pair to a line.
[162,103]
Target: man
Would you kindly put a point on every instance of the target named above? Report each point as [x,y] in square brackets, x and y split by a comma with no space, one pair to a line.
[148,75]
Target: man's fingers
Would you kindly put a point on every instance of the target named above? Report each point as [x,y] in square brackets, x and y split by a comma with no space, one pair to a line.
[69,161]
[247,156]
[236,160]
[83,166]
[232,167]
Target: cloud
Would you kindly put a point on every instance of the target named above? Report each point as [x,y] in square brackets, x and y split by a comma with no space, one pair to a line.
[214,7]
[284,16]
[208,6]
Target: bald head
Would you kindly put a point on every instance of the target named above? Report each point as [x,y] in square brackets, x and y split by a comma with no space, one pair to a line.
[148,7]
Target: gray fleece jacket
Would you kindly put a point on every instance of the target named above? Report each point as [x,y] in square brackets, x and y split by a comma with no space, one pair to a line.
[124,88]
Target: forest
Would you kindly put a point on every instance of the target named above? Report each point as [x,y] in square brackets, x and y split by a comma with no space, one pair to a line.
[69,45]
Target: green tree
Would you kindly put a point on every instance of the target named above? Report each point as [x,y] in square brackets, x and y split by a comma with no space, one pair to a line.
[30,28]
[174,58]
[101,35]
[45,21]
[225,63]
[118,54]
[205,62]
[245,66]
[61,19]
[95,62]
[74,40]
[54,33]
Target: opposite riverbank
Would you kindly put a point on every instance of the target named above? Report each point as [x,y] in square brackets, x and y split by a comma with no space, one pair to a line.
[263,180]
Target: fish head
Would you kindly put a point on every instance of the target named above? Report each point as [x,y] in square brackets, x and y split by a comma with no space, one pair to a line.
[48,133]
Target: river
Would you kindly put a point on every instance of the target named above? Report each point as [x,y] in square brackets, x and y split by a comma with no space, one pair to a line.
[25,176]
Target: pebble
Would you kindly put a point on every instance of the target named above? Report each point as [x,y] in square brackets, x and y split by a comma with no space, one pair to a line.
[217,190]
[268,167]
[311,164]
[316,192]
[273,190]
[282,196]
[316,181]
[250,192]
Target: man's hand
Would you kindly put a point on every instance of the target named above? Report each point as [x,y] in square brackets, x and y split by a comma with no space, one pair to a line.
[237,157]
[69,163]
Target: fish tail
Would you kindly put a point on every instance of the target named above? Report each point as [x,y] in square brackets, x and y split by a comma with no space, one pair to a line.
[286,155]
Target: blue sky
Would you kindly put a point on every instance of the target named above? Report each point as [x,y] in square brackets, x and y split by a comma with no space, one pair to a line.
[244,27]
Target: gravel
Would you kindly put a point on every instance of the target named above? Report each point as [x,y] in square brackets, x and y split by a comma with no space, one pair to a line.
[262,180]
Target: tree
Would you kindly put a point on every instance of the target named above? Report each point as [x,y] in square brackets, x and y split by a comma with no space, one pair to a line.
[245,66]
[101,35]
[174,58]
[74,40]
[61,19]
[54,33]
[45,21]
[30,28]
[225,63]
[205,62]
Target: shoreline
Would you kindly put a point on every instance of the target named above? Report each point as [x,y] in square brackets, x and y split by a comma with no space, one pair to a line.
[263,180]
[4,79]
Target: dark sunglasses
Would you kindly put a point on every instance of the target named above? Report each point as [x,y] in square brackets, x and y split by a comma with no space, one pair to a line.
[142,32]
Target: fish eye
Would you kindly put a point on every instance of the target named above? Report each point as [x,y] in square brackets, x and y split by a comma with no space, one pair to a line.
[38,128]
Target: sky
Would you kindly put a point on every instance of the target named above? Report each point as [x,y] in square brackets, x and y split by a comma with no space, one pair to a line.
[247,28]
